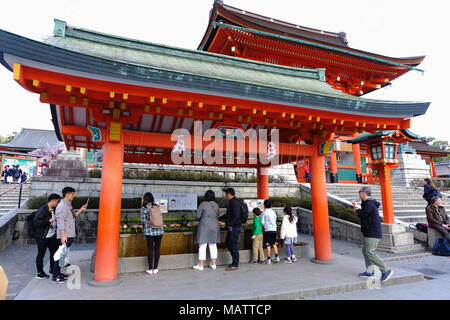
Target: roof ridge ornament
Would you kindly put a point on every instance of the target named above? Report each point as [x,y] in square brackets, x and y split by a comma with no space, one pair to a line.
[60,28]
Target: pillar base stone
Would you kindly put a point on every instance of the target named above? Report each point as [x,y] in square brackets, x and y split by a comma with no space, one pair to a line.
[322,261]
[103,284]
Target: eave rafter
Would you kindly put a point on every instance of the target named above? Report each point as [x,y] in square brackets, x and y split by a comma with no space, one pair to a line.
[358,76]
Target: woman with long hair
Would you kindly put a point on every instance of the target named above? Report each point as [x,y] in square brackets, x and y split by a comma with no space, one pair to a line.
[289,233]
[429,190]
[150,213]
[208,232]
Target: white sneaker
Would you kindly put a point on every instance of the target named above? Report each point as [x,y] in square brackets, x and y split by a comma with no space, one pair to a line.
[197,267]
[149,271]
[277,259]
[294,259]
[155,271]
[213,266]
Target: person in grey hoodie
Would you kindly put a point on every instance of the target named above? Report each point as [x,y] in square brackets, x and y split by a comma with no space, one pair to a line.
[371,229]
[65,226]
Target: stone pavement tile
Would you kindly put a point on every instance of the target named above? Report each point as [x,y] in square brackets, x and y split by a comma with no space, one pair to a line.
[436,289]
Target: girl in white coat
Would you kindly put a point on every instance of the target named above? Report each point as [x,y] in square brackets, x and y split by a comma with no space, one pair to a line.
[289,233]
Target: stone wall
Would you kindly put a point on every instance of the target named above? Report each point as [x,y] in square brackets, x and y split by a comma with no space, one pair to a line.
[90,187]
[8,223]
[340,229]
[87,225]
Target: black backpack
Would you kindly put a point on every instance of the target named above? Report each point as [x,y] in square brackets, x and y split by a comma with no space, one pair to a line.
[244,212]
[30,224]
[435,193]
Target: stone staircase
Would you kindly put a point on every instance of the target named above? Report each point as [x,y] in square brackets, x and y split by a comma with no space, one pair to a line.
[409,207]
[10,199]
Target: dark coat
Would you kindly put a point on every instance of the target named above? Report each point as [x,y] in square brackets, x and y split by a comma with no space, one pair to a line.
[370,219]
[41,222]
[430,192]
[233,215]
[436,216]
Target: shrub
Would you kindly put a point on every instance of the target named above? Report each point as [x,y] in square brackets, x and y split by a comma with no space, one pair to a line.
[336,211]
[127,203]
[178,175]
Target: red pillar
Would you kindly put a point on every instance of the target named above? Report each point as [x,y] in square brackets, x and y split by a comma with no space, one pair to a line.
[107,250]
[386,193]
[262,179]
[433,168]
[321,223]
[333,167]
[357,160]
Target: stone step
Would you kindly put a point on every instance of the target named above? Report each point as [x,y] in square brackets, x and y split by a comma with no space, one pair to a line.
[8,201]
[405,197]
[14,197]
[412,219]
[418,203]
[416,247]
[409,213]
[7,205]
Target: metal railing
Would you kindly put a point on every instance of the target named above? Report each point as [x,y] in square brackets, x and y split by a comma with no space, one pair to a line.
[20,186]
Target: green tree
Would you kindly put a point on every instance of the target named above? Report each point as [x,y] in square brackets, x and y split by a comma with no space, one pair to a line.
[427,139]
[444,146]
[7,138]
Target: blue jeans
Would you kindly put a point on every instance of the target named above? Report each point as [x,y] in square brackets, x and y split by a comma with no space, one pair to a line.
[289,250]
[232,244]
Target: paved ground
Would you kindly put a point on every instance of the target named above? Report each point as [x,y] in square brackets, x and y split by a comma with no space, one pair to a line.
[276,281]
[18,262]
[20,267]
[435,268]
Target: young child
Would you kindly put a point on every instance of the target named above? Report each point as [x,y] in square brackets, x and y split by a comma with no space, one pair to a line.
[257,238]
[269,222]
[289,233]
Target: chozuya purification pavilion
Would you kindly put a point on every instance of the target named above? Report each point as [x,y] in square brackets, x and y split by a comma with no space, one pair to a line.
[127,97]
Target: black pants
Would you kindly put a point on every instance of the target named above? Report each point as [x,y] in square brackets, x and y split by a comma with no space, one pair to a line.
[56,270]
[153,246]
[232,245]
[442,231]
[43,244]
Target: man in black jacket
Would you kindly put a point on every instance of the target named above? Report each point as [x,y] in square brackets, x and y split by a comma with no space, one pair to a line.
[234,227]
[44,232]
[371,229]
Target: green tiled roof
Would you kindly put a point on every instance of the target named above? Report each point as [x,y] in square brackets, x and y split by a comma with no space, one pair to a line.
[189,61]
[365,136]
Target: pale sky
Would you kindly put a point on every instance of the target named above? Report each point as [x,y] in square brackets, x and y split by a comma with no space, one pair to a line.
[399,28]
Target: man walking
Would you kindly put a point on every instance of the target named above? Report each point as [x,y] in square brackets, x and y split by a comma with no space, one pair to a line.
[44,232]
[234,227]
[371,229]
[65,222]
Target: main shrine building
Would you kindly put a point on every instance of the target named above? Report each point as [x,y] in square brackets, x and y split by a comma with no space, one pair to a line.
[127,96]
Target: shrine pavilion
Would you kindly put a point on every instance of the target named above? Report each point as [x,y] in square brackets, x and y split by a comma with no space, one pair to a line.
[250,72]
